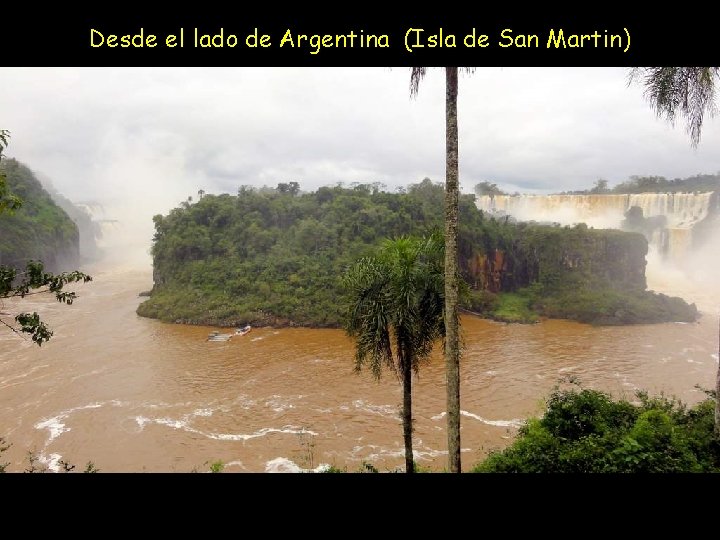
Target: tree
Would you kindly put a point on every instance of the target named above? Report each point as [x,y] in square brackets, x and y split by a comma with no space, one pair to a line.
[600,186]
[487,188]
[291,188]
[8,201]
[452,330]
[395,312]
[34,279]
[689,92]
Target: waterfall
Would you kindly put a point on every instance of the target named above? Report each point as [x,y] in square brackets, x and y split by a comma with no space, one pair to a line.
[681,212]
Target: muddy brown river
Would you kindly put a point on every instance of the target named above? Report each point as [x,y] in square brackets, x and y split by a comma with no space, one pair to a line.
[134,394]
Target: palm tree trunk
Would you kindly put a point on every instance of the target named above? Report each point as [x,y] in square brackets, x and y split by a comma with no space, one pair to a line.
[452,345]
[717,391]
[407,413]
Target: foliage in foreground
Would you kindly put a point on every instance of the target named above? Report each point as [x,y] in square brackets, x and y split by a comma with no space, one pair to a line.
[395,312]
[47,227]
[33,281]
[35,467]
[32,225]
[587,431]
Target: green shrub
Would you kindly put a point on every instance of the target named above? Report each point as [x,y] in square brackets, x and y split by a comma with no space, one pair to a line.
[513,307]
[482,302]
[588,431]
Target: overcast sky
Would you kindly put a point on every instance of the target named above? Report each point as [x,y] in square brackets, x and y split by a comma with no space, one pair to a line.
[152,136]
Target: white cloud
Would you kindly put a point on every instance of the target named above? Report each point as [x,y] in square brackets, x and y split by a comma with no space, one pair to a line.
[157,135]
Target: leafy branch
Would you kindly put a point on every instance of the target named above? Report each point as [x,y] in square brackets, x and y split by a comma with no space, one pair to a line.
[35,280]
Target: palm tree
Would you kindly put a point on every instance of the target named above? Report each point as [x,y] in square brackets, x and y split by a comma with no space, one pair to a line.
[452,330]
[396,313]
[689,92]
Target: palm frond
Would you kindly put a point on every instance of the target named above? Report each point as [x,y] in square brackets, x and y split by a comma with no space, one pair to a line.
[417,74]
[685,91]
[397,300]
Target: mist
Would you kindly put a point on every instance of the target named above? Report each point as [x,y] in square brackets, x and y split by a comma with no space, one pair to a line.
[695,276]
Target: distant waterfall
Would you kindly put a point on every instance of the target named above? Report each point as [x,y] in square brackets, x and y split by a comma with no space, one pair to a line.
[682,212]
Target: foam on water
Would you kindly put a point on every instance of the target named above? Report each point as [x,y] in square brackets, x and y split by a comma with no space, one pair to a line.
[285,465]
[184,424]
[568,368]
[515,422]
[52,461]
[89,374]
[278,404]
[56,427]
[376,453]
[4,382]
[260,433]
[55,424]
[388,411]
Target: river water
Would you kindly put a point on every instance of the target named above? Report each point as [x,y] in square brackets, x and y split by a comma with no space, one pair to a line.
[134,394]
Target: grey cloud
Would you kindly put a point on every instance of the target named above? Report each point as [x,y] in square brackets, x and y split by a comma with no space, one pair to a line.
[161,134]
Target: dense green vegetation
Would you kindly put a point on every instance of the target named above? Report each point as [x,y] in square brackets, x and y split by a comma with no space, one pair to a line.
[18,219]
[276,256]
[587,431]
[273,256]
[592,276]
[507,307]
[588,304]
[658,184]
[38,229]
[600,306]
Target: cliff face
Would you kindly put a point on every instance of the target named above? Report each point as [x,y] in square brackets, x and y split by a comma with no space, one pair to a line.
[485,271]
[559,257]
[39,230]
[89,229]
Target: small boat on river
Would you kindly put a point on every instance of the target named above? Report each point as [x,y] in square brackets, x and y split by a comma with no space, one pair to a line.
[217,336]
[243,331]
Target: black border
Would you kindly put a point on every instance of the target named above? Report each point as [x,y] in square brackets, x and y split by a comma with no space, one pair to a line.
[60,36]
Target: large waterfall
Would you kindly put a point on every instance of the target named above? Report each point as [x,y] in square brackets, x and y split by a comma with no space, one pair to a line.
[681,212]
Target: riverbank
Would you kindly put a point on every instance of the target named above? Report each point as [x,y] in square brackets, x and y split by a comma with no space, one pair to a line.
[599,307]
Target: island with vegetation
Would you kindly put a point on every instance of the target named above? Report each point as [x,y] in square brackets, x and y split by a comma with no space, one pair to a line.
[276,257]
